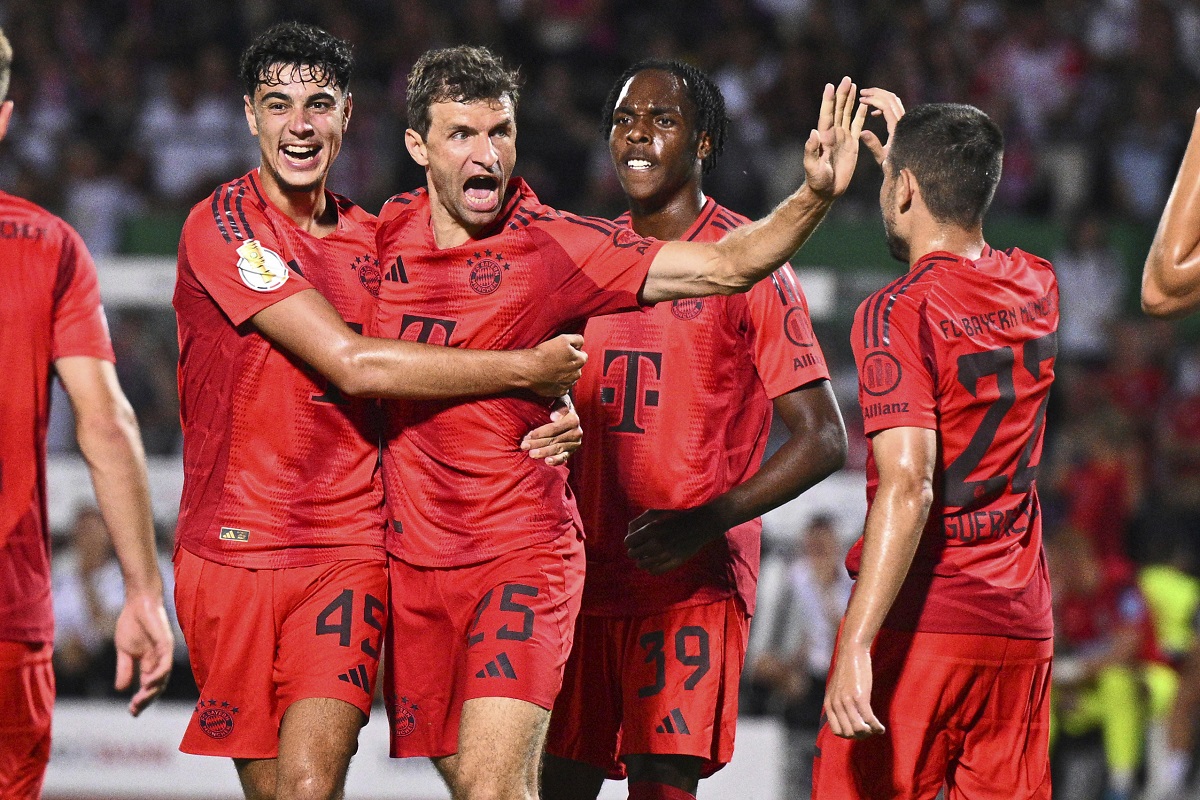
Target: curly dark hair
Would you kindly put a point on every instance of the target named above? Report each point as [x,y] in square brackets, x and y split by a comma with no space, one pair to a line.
[294,44]
[956,153]
[462,74]
[701,90]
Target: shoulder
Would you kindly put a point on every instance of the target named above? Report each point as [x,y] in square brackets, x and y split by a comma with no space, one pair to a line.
[231,214]
[723,219]
[900,302]
[29,223]
[398,206]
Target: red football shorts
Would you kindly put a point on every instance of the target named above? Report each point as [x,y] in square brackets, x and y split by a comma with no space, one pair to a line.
[969,711]
[501,628]
[665,684]
[259,640]
[26,707]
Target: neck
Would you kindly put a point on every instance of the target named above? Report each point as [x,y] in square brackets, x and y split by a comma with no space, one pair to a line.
[938,238]
[667,219]
[308,208]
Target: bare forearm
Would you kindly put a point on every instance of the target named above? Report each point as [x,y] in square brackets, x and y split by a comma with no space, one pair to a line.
[112,446]
[893,531]
[1171,279]
[407,370]
[808,457]
[739,260]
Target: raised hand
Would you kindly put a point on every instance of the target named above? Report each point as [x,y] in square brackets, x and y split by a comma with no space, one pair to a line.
[143,637]
[556,365]
[889,106]
[831,152]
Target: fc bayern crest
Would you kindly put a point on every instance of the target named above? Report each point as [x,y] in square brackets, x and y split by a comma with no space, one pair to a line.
[404,721]
[687,309]
[216,718]
[366,267]
[487,270]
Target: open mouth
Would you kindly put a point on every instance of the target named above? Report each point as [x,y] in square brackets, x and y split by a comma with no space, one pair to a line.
[482,192]
[301,155]
[638,164]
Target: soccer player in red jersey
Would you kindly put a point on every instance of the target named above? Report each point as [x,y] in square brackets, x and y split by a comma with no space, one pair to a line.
[677,404]
[281,580]
[485,548]
[1171,278]
[53,324]
[941,674]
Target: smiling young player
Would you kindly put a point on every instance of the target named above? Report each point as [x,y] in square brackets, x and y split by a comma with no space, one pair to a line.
[677,404]
[485,548]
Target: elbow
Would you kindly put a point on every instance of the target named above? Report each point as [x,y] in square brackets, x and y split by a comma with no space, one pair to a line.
[835,448]
[1159,304]
[102,431]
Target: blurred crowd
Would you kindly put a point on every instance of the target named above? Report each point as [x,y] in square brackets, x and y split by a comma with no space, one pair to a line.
[129,111]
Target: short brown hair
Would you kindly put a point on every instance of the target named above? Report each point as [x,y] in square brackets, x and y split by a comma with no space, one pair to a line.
[463,74]
[6,56]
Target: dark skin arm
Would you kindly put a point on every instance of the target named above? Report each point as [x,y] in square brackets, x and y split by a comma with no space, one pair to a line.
[307,326]
[660,541]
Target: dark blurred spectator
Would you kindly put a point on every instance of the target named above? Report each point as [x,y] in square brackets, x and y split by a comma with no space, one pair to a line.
[1144,153]
[97,202]
[188,128]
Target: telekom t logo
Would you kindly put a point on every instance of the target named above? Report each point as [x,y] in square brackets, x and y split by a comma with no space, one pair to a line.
[631,401]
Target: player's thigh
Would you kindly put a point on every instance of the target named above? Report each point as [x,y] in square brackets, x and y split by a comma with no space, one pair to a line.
[585,727]
[227,615]
[681,671]
[500,743]
[1005,746]
[331,636]
[522,628]
[317,739]
[423,675]
[26,708]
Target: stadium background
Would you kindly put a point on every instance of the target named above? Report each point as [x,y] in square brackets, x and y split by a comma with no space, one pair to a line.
[128,111]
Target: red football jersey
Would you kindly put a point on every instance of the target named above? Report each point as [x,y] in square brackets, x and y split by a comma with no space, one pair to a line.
[676,407]
[280,470]
[49,309]
[459,488]
[967,348]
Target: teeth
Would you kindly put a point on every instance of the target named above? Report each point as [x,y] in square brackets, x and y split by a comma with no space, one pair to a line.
[300,152]
[637,163]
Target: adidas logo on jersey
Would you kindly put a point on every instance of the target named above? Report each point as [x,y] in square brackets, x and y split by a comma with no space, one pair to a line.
[498,667]
[396,272]
[674,723]
[358,676]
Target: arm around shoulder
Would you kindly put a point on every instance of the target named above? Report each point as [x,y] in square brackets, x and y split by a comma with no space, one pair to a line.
[306,325]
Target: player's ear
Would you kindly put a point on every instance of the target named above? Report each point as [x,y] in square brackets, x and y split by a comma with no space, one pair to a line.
[250,120]
[346,110]
[704,146]
[906,190]
[6,109]
[416,147]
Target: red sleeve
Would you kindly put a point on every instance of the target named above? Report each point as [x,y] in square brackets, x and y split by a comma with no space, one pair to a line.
[611,262]
[79,325]
[774,314]
[896,382]
[243,269]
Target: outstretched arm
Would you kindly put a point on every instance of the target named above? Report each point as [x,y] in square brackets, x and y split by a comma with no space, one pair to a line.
[905,458]
[750,253]
[1171,278]
[307,326]
[108,437]
[660,541]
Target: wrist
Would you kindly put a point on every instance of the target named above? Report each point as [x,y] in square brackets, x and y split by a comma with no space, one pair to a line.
[523,364]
